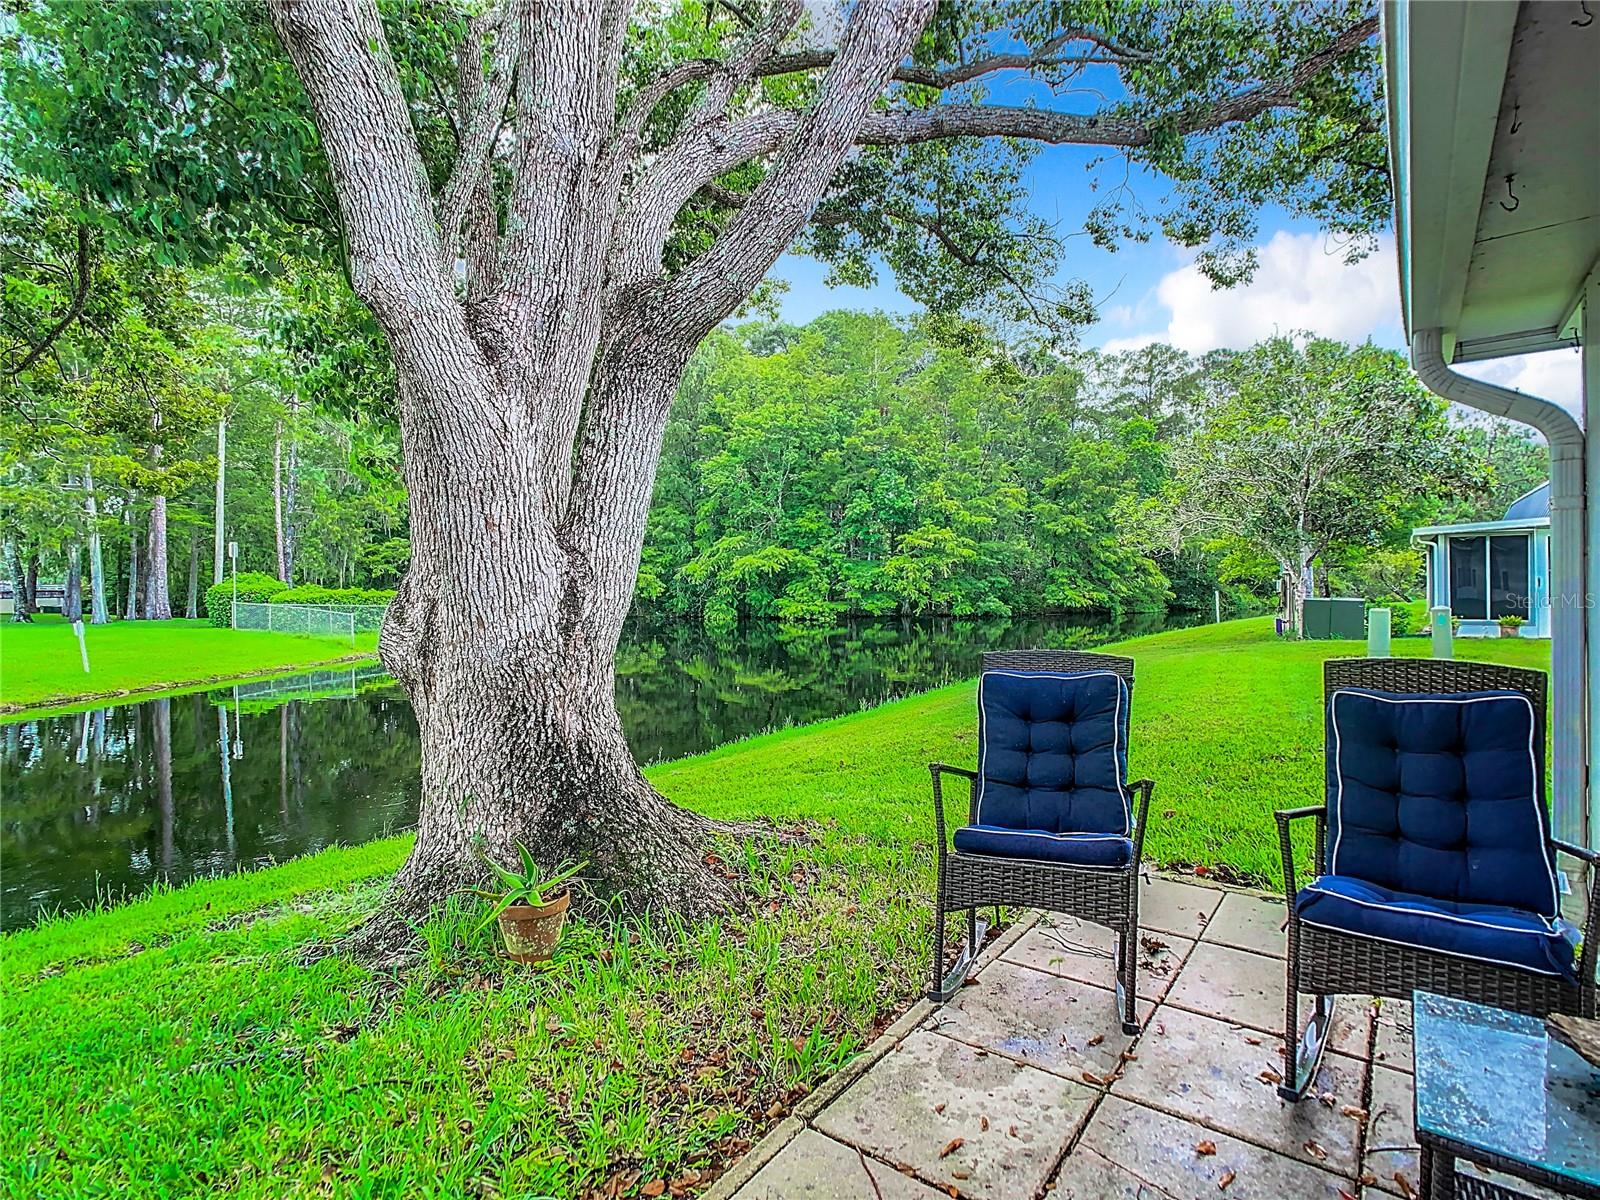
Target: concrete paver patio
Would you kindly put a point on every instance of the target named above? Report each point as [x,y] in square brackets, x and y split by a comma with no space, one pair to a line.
[1024,1084]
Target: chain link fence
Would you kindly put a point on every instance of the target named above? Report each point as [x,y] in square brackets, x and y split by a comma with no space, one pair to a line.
[323,620]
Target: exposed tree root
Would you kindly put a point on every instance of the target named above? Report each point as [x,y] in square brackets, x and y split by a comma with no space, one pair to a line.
[687,879]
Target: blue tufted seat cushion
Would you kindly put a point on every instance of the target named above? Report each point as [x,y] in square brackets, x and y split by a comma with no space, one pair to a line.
[1485,932]
[1075,849]
[1440,796]
[1052,768]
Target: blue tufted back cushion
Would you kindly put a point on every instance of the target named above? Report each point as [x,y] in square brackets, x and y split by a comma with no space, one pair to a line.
[1053,751]
[1439,796]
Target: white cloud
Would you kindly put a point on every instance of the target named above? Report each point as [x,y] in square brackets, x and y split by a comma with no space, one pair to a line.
[1302,282]
[1137,342]
[1555,375]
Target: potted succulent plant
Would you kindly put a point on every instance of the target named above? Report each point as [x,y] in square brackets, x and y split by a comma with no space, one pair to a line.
[1511,626]
[530,906]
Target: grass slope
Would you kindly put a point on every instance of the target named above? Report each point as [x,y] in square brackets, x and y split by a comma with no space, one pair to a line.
[179,1046]
[39,663]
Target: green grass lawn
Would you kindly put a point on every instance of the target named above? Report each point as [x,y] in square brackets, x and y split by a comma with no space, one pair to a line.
[178,1046]
[40,666]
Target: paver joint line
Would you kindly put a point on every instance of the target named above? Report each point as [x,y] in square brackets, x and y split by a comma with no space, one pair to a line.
[1019,1019]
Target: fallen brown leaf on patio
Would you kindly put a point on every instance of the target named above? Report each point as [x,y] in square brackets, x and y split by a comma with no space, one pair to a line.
[1226,1180]
[983,1123]
[1012,1132]
[1152,945]
[1098,1080]
[1096,1039]
[959,1174]
[1344,1195]
[1354,1113]
[970,981]
[1205,1148]
[1328,1099]
[1254,1041]
[1315,1150]
[1270,1076]
[939,1107]
[1406,1190]
[952,1146]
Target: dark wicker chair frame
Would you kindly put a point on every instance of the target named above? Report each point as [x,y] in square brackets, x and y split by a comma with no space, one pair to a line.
[1106,896]
[1325,962]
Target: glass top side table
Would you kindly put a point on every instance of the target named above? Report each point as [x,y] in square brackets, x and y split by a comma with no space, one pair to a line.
[1493,1089]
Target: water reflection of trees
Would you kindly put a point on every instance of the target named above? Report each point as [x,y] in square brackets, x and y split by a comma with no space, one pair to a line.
[113,799]
[682,690]
[196,785]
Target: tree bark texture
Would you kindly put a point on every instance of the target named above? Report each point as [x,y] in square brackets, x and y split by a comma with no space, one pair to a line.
[277,500]
[219,535]
[158,592]
[132,611]
[98,614]
[21,612]
[191,607]
[72,597]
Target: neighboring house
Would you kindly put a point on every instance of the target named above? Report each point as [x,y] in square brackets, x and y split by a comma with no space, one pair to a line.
[47,597]
[1484,570]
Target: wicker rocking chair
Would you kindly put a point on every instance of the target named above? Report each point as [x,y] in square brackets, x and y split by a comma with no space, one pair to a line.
[1440,875]
[1050,820]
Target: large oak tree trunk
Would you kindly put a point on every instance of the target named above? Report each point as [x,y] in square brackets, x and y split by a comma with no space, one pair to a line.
[504,634]
[532,414]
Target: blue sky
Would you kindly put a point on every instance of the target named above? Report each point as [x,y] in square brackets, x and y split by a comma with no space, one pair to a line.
[1151,291]
[1143,288]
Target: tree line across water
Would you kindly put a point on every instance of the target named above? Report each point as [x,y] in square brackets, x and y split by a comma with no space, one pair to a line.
[857,465]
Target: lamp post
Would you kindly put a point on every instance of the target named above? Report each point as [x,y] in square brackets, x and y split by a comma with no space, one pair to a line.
[233,558]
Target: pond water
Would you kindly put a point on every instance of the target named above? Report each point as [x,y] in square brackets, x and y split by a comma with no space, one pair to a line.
[107,801]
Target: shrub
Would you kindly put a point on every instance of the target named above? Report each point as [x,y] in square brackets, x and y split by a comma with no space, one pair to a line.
[368,604]
[311,593]
[254,588]
[1406,617]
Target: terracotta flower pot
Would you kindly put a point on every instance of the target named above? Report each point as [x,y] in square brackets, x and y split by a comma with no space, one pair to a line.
[530,931]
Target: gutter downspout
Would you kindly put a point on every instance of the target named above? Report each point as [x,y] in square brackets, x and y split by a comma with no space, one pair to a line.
[1568,614]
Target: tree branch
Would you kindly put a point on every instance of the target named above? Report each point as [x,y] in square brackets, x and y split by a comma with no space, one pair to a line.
[676,174]
[762,133]
[876,39]
[1046,55]
[483,105]
[80,294]
[344,63]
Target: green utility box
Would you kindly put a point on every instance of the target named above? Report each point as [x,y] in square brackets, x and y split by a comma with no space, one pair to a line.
[1345,617]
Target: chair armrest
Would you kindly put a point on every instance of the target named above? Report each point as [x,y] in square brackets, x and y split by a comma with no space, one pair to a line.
[1589,856]
[1285,817]
[940,769]
[1145,787]
[1591,921]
